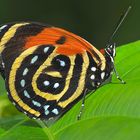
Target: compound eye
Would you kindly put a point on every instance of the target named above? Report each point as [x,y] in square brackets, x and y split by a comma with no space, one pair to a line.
[109,50]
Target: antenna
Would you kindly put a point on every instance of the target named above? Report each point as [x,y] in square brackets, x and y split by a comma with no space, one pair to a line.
[122,18]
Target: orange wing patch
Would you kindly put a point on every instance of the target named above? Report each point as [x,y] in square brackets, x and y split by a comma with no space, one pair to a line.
[73,44]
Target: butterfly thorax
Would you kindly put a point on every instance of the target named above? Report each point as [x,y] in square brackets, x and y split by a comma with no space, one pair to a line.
[96,76]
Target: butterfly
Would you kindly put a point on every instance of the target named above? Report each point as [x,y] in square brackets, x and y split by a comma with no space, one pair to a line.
[47,70]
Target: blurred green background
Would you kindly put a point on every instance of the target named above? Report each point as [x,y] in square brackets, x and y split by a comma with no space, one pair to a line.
[92,19]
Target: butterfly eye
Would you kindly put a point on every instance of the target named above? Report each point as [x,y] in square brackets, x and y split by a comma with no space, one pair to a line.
[109,50]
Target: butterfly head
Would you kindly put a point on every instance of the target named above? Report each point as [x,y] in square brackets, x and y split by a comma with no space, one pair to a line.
[110,50]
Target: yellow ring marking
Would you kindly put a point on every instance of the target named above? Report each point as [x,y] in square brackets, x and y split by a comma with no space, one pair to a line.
[81,84]
[50,96]
[12,76]
[54,74]
[9,34]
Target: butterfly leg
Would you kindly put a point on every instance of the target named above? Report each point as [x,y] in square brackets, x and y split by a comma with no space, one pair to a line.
[82,105]
[118,77]
[111,51]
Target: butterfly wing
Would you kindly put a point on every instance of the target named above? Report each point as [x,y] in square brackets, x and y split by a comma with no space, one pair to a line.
[45,68]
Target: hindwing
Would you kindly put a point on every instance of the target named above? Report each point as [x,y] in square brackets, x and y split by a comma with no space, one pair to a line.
[46,68]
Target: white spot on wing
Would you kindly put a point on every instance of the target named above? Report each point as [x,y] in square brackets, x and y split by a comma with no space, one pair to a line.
[46,83]
[46,49]
[36,103]
[62,63]
[47,112]
[55,111]
[56,85]
[26,94]
[46,109]
[92,77]
[34,59]
[102,75]
[25,71]
[93,69]
[22,82]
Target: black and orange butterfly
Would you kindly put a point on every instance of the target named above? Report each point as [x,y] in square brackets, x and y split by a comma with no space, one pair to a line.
[47,69]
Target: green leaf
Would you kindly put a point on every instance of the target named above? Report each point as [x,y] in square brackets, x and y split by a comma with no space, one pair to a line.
[6,107]
[102,128]
[111,113]
[21,128]
[2,87]
[24,132]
